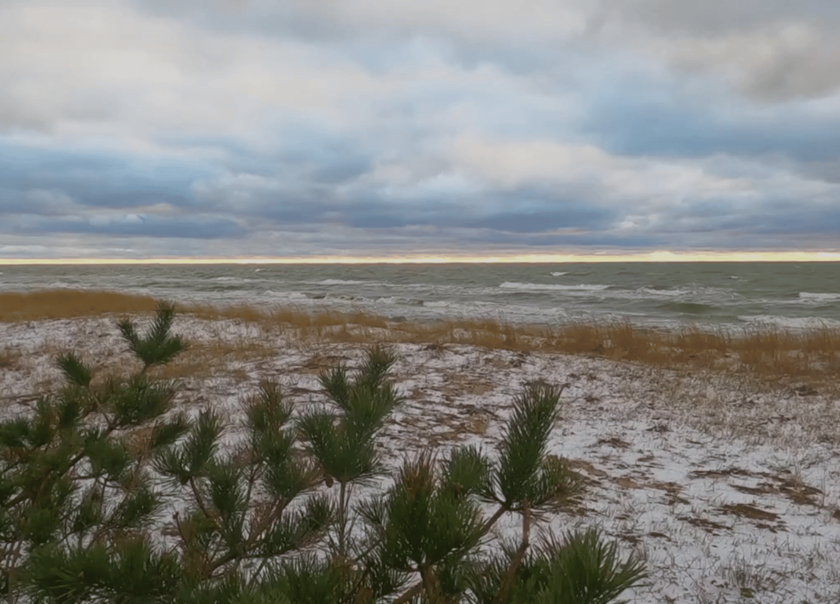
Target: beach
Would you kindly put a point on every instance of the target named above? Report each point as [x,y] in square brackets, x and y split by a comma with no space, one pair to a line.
[727,482]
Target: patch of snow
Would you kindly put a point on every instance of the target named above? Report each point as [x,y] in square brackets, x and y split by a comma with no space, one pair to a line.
[716,479]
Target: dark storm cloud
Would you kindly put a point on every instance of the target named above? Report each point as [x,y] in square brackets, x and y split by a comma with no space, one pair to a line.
[136,225]
[529,213]
[675,123]
[98,178]
[522,212]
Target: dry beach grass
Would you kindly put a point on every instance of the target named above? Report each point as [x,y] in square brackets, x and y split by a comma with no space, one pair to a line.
[770,352]
[716,455]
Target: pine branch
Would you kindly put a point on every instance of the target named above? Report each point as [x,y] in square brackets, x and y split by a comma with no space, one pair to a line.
[156,347]
[516,561]
[74,370]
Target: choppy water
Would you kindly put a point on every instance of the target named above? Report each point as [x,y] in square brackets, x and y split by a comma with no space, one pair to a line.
[668,294]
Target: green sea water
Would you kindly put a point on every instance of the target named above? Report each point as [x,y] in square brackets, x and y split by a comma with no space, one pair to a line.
[791,295]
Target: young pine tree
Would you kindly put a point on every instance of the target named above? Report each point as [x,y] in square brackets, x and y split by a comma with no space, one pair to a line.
[268,511]
[76,492]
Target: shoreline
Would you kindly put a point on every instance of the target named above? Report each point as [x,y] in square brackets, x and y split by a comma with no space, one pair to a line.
[714,476]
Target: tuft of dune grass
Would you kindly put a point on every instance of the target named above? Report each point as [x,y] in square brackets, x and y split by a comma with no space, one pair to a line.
[810,354]
[70,304]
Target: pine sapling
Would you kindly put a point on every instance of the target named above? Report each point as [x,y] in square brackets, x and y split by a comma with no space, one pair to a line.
[342,440]
[75,488]
[84,475]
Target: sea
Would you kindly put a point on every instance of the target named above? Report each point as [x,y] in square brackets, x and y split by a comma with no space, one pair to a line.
[675,294]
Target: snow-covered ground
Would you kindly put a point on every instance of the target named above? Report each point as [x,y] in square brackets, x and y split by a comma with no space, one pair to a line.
[730,488]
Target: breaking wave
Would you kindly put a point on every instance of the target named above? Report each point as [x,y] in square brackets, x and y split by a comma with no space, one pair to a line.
[790,322]
[819,297]
[340,282]
[550,287]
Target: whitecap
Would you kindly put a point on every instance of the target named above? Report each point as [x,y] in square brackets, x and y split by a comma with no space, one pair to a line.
[288,295]
[559,274]
[794,323]
[399,300]
[824,297]
[670,293]
[340,282]
[693,293]
[472,305]
[550,287]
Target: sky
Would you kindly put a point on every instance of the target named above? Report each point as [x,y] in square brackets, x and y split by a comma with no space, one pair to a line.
[306,129]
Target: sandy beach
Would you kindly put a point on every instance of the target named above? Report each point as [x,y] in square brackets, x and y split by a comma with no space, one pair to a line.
[727,483]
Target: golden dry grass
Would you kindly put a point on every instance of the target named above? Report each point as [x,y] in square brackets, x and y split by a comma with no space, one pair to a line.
[210,358]
[69,304]
[813,354]
[201,360]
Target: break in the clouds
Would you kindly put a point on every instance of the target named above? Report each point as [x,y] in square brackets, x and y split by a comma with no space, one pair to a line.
[231,128]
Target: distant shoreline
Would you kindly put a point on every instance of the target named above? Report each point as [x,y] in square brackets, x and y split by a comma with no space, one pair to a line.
[650,257]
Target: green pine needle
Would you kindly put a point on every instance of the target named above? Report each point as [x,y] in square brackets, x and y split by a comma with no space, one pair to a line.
[74,370]
[156,346]
[524,444]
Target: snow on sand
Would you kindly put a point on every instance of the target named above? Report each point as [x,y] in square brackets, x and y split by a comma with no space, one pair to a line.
[729,487]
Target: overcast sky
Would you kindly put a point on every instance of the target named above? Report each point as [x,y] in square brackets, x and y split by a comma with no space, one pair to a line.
[299,128]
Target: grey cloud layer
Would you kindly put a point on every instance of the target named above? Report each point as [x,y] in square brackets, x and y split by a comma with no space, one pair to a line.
[773,49]
[246,127]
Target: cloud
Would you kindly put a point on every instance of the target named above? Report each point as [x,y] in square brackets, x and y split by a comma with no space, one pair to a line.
[769,49]
[322,19]
[667,119]
[136,225]
[92,177]
[245,127]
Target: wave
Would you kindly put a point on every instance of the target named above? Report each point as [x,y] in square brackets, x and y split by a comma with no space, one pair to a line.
[790,322]
[340,282]
[288,295]
[819,297]
[230,280]
[400,300]
[551,287]
[691,294]
[688,308]
[664,292]
[473,304]
[559,274]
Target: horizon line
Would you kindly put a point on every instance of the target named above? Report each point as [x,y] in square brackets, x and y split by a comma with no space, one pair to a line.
[658,256]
